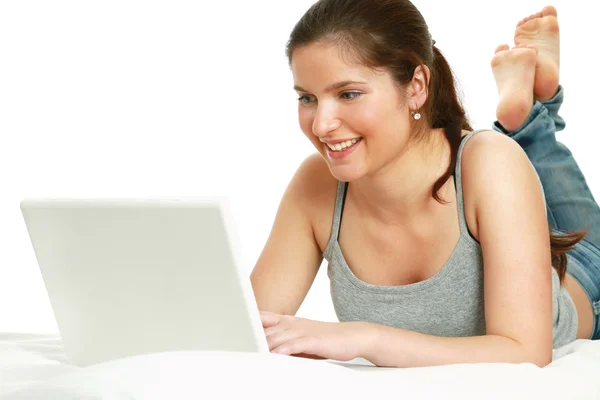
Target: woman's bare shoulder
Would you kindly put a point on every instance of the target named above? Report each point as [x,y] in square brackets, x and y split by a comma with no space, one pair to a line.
[489,159]
[318,190]
[315,181]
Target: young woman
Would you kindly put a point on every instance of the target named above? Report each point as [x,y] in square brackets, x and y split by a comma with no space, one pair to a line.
[444,253]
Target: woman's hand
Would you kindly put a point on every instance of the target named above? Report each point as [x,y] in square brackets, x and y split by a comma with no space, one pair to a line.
[291,335]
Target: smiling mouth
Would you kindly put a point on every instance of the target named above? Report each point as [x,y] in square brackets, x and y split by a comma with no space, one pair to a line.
[339,147]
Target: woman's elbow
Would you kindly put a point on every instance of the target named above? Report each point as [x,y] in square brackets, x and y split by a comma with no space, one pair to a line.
[539,357]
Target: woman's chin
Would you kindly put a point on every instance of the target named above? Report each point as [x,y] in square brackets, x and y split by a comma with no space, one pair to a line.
[346,173]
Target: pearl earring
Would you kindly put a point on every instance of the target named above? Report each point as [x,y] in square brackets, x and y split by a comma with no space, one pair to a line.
[416,115]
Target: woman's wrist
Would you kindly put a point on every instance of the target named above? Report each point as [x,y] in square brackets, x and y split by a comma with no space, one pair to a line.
[370,337]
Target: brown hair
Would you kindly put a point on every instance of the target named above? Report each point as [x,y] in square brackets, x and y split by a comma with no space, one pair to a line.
[392,34]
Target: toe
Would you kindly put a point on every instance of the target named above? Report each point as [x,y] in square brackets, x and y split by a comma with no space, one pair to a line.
[502,47]
[549,10]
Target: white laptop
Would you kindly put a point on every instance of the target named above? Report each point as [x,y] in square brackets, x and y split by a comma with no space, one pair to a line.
[130,277]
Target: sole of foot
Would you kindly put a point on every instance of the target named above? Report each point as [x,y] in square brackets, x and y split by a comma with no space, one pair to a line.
[514,71]
[541,31]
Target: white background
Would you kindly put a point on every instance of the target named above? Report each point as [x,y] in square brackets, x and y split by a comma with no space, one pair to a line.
[189,98]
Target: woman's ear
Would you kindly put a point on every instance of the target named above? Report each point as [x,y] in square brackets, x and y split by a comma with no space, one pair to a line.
[418,88]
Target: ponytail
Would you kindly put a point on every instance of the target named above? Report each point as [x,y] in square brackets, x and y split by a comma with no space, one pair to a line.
[559,245]
[447,113]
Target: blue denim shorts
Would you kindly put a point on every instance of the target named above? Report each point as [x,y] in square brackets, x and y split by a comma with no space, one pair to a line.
[586,271]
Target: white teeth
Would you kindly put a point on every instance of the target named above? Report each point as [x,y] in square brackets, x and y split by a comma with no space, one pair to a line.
[343,145]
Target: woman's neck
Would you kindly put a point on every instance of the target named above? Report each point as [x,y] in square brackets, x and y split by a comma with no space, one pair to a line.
[401,190]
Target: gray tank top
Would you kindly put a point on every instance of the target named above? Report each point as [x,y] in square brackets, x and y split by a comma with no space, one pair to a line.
[448,304]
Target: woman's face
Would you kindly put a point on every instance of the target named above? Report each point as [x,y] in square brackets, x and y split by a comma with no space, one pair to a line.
[357,110]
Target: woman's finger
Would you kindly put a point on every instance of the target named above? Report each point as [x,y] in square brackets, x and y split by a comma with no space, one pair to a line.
[306,345]
[280,338]
[274,329]
[269,319]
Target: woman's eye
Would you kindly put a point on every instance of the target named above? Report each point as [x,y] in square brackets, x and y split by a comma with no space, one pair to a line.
[350,95]
[304,99]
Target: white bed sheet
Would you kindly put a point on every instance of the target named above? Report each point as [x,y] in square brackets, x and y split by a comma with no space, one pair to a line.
[34,366]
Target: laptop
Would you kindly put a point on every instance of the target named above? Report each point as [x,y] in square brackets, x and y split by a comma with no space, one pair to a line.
[131,277]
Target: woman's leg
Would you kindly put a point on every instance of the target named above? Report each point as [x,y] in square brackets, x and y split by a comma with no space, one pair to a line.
[570,204]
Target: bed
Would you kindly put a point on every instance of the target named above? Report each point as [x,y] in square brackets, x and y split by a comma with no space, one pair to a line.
[34,366]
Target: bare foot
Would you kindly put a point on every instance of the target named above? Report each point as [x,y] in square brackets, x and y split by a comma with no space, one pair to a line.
[541,30]
[515,72]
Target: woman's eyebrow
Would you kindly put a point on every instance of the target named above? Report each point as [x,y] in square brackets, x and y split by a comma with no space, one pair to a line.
[333,86]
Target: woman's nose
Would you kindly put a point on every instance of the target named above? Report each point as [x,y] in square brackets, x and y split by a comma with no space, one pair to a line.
[326,121]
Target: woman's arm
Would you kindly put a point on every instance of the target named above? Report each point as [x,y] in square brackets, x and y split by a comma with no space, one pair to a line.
[392,347]
[291,257]
[502,189]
